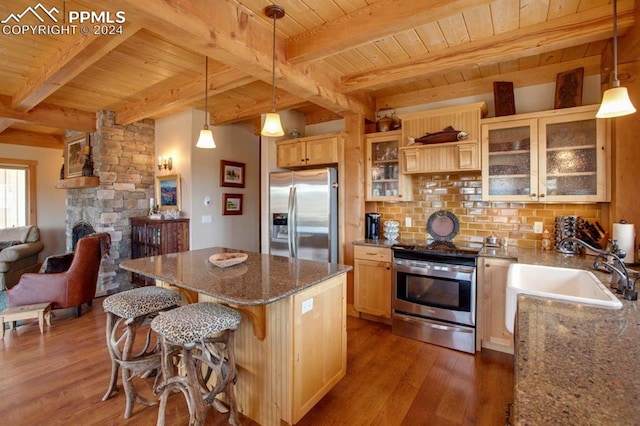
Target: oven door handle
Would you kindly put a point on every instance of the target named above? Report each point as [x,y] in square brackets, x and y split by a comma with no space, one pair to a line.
[410,266]
[439,326]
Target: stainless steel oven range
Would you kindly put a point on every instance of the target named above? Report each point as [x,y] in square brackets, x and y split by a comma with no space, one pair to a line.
[434,293]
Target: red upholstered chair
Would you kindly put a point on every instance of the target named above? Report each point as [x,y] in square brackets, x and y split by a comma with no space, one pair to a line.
[71,288]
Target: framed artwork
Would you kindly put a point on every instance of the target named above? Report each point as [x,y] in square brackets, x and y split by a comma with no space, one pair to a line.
[503,98]
[231,204]
[569,88]
[168,192]
[231,174]
[74,156]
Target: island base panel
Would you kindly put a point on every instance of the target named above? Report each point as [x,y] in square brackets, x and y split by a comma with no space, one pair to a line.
[302,356]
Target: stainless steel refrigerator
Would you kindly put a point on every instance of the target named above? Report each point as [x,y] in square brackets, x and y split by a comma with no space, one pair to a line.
[303,214]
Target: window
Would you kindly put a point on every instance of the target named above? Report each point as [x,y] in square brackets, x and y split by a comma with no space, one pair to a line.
[17,192]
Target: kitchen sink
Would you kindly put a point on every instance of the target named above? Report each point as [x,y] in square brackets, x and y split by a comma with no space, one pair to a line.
[571,285]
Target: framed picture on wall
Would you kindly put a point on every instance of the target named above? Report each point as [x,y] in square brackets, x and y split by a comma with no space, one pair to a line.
[231,204]
[232,174]
[168,192]
[74,156]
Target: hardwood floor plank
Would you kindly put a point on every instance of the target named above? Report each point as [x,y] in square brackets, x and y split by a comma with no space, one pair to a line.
[60,376]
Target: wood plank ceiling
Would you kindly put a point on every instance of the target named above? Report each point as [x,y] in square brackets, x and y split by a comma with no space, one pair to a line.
[333,57]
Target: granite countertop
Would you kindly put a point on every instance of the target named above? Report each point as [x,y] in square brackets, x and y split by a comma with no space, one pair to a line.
[260,280]
[574,363]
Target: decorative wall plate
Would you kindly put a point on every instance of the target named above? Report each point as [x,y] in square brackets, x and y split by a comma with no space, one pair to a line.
[443,225]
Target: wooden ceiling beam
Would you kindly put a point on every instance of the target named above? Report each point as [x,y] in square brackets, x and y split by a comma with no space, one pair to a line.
[50,115]
[241,112]
[76,55]
[25,138]
[376,21]
[168,97]
[585,27]
[230,34]
[529,77]
[5,123]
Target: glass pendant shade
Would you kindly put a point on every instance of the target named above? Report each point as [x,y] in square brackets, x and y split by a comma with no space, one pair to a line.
[272,126]
[206,139]
[615,103]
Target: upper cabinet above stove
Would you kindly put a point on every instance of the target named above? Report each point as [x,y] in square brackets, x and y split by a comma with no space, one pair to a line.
[551,156]
[442,154]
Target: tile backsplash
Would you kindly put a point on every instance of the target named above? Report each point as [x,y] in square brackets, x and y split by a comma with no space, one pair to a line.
[461,194]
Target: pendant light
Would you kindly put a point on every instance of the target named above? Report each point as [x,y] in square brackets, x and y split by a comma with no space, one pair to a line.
[206,136]
[272,125]
[615,101]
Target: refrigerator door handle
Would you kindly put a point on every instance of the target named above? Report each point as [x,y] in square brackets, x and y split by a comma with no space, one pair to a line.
[293,221]
[290,227]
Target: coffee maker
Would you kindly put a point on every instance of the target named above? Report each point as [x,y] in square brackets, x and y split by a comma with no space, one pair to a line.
[372,226]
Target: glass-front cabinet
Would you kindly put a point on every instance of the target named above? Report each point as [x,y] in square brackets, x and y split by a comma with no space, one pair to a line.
[383,180]
[553,156]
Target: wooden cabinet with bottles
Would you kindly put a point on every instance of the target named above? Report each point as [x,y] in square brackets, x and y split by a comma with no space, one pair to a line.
[152,237]
[550,156]
[383,180]
[372,280]
[492,282]
[309,151]
[455,156]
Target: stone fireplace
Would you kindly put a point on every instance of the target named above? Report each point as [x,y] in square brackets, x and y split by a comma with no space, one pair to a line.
[124,161]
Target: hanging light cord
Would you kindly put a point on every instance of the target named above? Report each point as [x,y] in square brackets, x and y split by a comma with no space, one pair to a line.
[273,67]
[616,82]
[206,93]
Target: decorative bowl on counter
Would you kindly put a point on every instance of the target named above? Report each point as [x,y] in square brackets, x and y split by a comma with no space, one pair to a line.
[224,260]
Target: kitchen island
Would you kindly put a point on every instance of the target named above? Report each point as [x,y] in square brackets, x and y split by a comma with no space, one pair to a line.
[291,345]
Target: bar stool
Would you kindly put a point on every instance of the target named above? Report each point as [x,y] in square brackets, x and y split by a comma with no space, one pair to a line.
[202,334]
[127,312]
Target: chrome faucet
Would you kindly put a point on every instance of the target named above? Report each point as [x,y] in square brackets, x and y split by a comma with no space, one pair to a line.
[624,284]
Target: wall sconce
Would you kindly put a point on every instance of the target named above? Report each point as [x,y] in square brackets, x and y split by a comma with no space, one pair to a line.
[165,163]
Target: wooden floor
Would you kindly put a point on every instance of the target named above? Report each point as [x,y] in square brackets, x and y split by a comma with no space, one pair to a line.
[59,377]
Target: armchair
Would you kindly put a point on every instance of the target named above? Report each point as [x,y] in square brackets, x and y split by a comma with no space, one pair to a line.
[71,288]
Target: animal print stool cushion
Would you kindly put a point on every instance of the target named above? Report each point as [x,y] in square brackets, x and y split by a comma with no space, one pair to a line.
[141,301]
[194,322]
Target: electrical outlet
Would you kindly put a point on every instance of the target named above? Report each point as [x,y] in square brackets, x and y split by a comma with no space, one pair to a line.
[407,222]
[307,305]
[537,227]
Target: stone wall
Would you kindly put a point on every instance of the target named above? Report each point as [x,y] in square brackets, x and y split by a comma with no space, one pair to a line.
[124,160]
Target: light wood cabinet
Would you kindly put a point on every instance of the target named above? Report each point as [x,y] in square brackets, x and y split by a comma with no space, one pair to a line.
[151,237]
[456,156]
[372,280]
[383,180]
[309,151]
[551,156]
[493,284]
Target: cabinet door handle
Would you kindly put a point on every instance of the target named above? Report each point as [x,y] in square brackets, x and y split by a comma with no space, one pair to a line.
[487,265]
[541,195]
[533,195]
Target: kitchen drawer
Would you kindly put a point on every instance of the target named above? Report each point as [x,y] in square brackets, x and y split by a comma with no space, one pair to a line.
[381,254]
